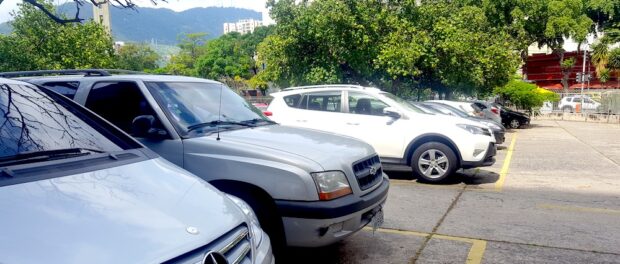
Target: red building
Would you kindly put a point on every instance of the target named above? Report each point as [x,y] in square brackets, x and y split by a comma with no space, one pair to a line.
[544,70]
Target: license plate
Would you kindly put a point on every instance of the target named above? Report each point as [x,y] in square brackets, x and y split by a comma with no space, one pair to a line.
[377,220]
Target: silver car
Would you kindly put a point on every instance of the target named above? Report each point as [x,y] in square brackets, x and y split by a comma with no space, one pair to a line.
[308,188]
[74,189]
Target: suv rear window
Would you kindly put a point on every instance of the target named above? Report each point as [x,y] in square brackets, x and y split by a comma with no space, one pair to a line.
[292,100]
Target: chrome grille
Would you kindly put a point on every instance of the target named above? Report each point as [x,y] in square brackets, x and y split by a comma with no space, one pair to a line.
[363,169]
[235,245]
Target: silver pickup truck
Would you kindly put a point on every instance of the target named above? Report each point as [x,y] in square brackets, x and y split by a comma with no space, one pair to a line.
[308,188]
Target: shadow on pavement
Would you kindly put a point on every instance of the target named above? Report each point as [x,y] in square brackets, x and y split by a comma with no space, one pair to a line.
[467,177]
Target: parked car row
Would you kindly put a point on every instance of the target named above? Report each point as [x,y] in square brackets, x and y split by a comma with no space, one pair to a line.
[303,187]
[172,169]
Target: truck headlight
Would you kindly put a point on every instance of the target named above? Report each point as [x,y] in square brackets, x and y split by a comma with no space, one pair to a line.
[476,130]
[255,231]
[331,184]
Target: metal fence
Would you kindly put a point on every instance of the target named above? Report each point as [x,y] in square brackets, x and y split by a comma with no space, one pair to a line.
[607,102]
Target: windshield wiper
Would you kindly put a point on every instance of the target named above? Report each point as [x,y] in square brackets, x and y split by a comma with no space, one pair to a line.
[217,123]
[30,157]
[259,120]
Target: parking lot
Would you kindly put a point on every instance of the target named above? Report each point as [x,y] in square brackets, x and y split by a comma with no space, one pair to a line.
[553,196]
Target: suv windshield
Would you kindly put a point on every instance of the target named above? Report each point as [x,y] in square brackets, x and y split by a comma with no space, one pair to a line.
[31,122]
[194,107]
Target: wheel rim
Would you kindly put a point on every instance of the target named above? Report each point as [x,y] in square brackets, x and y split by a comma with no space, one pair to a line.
[433,163]
[514,123]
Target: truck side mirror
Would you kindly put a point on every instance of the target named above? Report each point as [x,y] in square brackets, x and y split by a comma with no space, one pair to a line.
[144,127]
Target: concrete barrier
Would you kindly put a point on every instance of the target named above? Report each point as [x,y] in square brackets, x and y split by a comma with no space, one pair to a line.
[583,117]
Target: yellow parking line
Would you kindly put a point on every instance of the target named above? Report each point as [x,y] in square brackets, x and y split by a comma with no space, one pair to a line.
[579,209]
[476,252]
[499,185]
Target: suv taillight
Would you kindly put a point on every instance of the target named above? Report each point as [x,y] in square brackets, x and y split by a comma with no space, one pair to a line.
[495,110]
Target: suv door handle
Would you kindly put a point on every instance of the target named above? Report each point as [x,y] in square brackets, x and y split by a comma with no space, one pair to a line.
[353,124]
[302,121]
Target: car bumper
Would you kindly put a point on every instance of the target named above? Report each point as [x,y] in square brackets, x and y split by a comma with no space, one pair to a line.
[263,254]
[321,223]
[489,159]
[500,137]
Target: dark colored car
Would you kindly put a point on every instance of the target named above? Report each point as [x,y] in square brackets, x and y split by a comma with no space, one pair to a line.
[514,119]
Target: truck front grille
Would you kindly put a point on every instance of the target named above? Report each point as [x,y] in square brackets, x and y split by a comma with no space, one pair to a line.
[235,245]
[368,172]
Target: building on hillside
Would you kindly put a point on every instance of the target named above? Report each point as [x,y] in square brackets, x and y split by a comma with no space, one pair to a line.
[544,70]
[242,26]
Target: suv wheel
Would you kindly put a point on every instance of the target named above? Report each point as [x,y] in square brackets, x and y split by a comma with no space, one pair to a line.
[567,109]
[433,162]
[514,123]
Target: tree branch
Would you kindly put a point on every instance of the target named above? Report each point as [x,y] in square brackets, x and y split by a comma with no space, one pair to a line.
[54,17]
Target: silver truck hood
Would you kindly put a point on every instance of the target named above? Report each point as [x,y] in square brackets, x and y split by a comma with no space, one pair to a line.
[136,213]
[321,147]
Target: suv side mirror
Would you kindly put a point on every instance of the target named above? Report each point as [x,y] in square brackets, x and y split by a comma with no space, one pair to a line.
[392,112]
[144,127]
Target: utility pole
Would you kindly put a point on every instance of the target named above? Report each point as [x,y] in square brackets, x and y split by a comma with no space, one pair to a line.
[583,75]
[101,15]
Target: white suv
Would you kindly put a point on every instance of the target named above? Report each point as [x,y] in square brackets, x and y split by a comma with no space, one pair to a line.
[569,103]
[434,146]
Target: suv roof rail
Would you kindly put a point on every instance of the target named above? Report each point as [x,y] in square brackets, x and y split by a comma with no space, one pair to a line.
[85,72]
[324,86]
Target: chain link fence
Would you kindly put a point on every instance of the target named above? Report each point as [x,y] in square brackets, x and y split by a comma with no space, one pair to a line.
[602,107]
[589,103]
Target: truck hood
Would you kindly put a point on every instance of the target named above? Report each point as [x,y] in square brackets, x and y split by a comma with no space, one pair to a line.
[135,213]
[318,146]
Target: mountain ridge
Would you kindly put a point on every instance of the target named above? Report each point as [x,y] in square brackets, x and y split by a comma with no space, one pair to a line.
[161,25]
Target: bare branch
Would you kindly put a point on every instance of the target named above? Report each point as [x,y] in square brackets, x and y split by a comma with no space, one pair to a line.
[54,16]
[79,3]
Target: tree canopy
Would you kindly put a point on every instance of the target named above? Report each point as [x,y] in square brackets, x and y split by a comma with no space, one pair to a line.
[38,42]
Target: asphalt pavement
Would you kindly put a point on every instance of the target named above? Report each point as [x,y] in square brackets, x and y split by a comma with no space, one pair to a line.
[553,196]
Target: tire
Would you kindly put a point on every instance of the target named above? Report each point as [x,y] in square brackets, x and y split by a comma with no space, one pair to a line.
[567,109]
[433,169]
[514,123]
[266,212]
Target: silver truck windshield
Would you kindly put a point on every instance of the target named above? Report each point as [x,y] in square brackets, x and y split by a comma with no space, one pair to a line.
[194,107]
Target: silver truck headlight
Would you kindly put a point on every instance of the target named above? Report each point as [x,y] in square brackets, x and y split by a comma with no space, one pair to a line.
[255,231]
[331,184]
[476,130]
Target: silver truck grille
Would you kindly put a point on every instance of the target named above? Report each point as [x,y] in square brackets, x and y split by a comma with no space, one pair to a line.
[368,172]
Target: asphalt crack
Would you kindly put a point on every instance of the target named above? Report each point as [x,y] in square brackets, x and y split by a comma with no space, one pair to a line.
[434,231]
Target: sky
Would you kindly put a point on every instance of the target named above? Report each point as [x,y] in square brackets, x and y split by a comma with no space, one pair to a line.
[177,5]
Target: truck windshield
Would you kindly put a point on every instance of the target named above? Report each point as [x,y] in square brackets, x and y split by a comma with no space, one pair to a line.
[32,122]
[194,107]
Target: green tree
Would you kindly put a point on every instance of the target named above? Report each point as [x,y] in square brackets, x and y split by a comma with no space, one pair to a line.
[136,57]
[525,95]
[38,42]
[326,41]
[567,19]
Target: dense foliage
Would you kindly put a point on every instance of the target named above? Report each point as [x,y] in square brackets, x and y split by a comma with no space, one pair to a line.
[525,95]
[136,57]
[37,42]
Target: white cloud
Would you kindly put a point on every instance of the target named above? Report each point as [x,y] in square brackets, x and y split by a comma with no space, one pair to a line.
[177,5]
